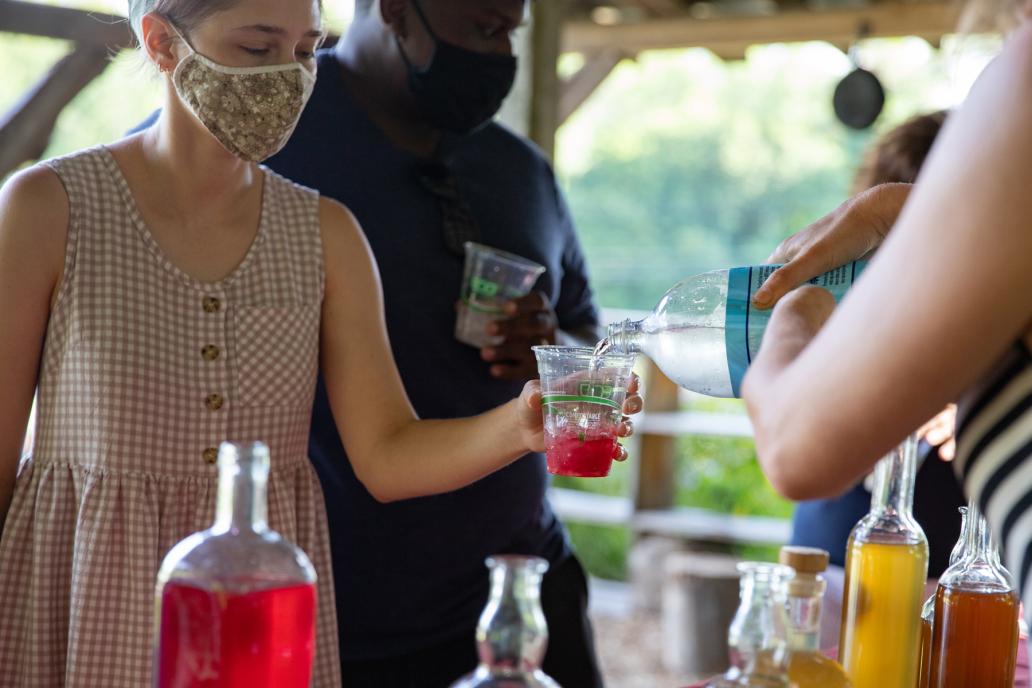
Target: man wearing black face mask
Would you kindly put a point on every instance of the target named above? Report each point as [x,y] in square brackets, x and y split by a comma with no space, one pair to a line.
[399,129]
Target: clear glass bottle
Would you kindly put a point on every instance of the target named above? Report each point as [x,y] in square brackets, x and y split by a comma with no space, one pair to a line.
[236,603]
[975,633]
[886,569]
[512,634]
[758,636]
[704,331]
[924,665]
[808,667]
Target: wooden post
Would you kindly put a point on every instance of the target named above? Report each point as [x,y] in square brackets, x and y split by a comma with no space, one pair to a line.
[26,129]
[545,83]
[654,484]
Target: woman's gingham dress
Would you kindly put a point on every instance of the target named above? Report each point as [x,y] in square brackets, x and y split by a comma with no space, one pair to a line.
[144,372]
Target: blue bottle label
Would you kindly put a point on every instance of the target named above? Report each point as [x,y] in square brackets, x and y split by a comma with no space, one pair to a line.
[744,324]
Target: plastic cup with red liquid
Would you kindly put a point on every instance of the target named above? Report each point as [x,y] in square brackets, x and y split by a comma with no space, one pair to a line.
[582,400]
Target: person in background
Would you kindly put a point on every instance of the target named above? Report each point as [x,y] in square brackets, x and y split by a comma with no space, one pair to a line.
[166,293]
[826,523]
[399,128]
[943,313]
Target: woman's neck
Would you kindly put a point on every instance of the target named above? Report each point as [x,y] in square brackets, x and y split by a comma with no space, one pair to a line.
[193,168]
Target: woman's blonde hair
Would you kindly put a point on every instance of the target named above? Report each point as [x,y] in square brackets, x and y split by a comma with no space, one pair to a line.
[184,14]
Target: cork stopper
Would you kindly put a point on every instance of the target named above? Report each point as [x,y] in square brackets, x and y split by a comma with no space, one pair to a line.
[805,560]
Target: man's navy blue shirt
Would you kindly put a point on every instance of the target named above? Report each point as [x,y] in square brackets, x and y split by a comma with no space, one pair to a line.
[411,574]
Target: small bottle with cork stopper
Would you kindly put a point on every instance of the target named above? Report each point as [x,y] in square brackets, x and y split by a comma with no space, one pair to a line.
[808,668]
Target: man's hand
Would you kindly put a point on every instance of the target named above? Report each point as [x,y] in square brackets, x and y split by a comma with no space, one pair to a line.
[530,321]
[849,232]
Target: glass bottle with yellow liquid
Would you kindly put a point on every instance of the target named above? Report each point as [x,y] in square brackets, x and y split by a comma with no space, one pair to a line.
[886,568]
[807,667]
[758,636]
[975,632]
[924,665]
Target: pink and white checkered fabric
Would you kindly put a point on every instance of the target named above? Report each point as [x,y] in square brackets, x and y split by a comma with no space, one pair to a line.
[119,471]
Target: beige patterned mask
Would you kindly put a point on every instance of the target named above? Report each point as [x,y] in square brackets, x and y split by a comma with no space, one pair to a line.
[252,111]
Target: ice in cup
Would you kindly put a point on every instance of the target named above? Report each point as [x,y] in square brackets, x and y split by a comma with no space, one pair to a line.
[491,278]
[582,400]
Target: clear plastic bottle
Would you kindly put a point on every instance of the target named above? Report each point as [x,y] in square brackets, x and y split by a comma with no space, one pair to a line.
[236,602]
[886,569]
[758,636]
[705,331]
[924,665]
[808,667]
[512,634]
[975,633]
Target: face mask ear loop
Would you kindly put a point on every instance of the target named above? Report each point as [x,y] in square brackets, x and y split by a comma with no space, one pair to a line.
[429,31]
[180,35]
[423,20]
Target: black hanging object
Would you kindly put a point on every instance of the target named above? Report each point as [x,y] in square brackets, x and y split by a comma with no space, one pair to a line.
[859,99]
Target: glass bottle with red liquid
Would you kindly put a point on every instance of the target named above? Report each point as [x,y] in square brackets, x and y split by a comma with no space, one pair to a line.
[975,629]
[924,667]
[236,602]
[582,396]
[512,634]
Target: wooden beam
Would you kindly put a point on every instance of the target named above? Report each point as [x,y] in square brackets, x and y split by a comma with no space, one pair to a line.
[64,23]
[544,103]
[579,87]
[928,19]
[26,129]
[659,8]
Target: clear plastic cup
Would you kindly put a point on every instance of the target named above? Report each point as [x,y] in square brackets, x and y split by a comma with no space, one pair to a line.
[491,278]
[582,401]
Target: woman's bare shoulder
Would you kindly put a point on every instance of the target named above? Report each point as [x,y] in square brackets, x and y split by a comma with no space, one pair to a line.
[34,212]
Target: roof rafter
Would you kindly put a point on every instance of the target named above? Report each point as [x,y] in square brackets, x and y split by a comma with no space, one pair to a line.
[926,19]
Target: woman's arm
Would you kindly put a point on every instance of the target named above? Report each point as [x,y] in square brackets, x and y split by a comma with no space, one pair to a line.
[395,455]
[949,291]
[33,231]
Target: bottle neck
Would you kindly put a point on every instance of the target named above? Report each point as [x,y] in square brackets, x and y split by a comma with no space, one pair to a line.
[241,499]
[970,535]
[961,549]
[979,569]
[626,337]
[805,602]
[758,636]
[894,475]
[512,634]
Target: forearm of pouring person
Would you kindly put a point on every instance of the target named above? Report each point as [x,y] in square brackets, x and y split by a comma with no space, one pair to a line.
[795,322]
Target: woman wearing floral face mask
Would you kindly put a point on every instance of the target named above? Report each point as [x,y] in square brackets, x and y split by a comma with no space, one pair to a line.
[166,293]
